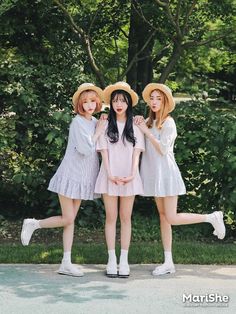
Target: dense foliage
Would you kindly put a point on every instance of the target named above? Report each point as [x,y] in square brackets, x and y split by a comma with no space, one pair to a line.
[49,47]
[205,153]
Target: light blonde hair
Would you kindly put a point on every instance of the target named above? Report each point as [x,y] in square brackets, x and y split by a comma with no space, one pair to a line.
[83,97]
[164,111]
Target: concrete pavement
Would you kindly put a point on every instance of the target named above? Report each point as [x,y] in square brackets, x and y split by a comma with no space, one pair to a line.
[38,289]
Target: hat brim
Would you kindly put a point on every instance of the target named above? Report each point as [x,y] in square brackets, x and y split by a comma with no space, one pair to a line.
[151,87]
[111,88]
[80,90]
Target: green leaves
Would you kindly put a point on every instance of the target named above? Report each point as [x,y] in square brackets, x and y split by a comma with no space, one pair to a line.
[6,5]
[209,167]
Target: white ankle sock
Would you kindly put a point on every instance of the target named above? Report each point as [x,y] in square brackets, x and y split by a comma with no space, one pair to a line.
[112,256]
[124,256]
[168,257]
[209,218]
[67,257]
[37,224]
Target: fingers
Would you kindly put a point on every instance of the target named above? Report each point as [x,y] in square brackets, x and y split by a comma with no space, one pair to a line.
[103,117]
[138,120]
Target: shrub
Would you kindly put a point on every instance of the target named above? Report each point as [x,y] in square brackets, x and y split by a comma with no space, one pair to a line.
[205,153]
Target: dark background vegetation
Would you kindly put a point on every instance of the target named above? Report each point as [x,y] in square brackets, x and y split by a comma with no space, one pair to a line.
[48,48]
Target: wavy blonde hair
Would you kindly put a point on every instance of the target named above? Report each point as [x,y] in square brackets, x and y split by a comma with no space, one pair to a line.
[164,112]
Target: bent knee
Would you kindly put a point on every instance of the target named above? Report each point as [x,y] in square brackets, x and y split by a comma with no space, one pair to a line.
[162,215]
[171,220]
[69,220]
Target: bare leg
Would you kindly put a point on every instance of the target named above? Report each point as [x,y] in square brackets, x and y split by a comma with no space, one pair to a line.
[126,207]
[111,207]
[68,231]
[67,268]
[166,231]
[67,217]
[69,208]
[166,237]
[174,218]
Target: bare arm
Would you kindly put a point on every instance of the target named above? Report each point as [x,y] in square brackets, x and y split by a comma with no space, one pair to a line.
[146,131]
[100,129]
[135,163]
[105,159]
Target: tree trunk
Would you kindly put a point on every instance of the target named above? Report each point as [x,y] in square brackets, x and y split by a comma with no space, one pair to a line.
[174,58]
[131,75]
[141,72]
[144,66]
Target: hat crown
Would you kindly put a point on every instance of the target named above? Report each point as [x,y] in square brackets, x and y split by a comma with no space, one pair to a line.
[86,85]
[122,84]
[168,90]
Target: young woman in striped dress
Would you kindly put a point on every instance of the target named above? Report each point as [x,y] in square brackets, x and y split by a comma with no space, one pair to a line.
[75,178]
[160,174]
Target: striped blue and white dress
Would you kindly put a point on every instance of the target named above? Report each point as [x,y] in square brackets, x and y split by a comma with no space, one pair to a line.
[76,176]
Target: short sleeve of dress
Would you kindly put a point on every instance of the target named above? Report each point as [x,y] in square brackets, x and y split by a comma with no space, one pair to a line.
[167,136]
[82,140]
[140,142]
[102,141]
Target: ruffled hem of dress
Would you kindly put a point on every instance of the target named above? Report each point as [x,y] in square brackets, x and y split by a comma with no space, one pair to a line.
[72,189]
[128,190]
[164,193]
[110,193]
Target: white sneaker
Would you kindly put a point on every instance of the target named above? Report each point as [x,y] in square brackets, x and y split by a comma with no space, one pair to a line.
[111,270]
[124,270]
[164,269]
[70,270]
[29,226]
[218,224]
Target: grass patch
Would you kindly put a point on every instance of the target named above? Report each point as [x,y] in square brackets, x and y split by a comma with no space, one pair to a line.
[192,244]
[184,252]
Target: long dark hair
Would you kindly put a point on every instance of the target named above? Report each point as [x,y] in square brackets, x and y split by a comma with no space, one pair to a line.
[112,130]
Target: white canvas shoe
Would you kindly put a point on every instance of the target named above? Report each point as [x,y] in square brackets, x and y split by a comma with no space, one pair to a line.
[218,224]
[164,269]
[29,226]
[124,271]
[111,270]
[70,270]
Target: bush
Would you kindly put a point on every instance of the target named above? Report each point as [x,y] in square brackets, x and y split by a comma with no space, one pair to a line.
[205,153]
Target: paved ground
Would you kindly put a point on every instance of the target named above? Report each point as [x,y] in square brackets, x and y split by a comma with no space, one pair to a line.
[38,289]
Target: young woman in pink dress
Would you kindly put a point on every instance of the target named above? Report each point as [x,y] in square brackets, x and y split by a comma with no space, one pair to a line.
[119,178]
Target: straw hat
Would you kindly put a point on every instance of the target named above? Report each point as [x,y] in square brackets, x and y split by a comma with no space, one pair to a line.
[120,86]
[162,87]
[86,86]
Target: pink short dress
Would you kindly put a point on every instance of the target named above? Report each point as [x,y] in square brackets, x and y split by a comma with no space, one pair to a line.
[120,161]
